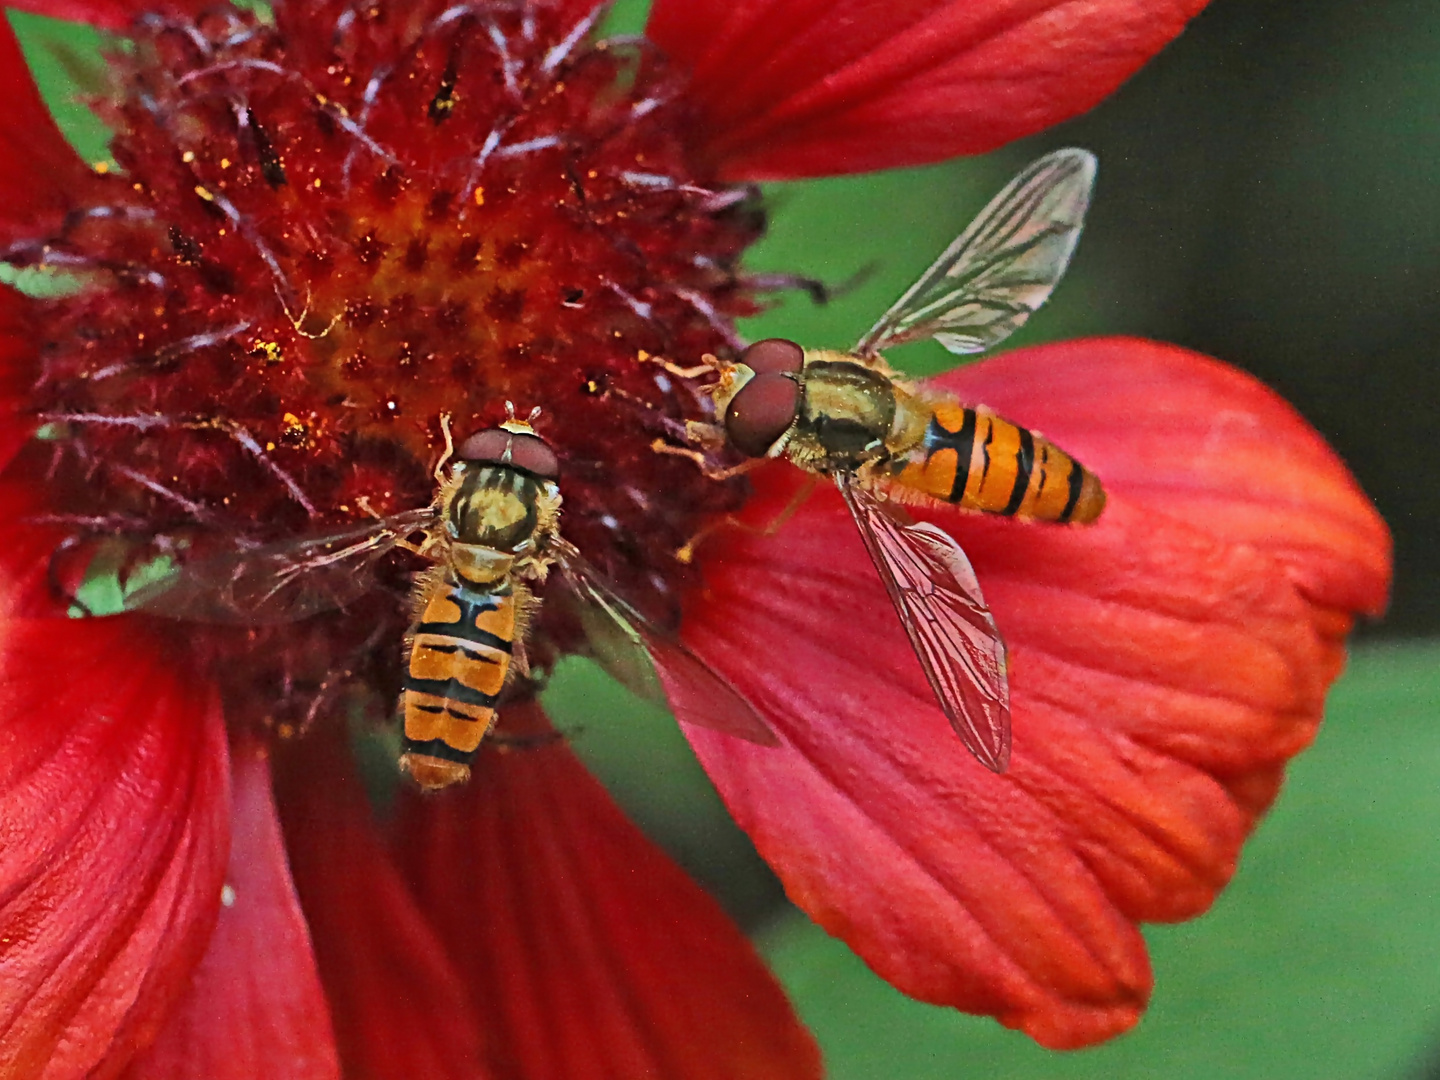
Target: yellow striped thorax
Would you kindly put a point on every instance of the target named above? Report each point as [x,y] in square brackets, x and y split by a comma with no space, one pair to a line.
[494,514]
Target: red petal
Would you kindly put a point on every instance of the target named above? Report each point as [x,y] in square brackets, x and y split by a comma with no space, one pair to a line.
[594,953]
[113,811]
[1161,673]
[255,1007]
[17,369]
[41,170]
[108,14]
[792,88]
[401,1011]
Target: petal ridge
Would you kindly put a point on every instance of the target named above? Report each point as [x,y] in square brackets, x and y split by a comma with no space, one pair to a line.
[121,813]
[254,1006]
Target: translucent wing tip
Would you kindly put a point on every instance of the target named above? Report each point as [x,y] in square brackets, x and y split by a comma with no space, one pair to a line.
[994,758]
[1002,268]
[1078,159]
[663,670]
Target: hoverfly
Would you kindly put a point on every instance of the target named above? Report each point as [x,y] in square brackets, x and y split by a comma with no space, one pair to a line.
[849,417]
[492,534]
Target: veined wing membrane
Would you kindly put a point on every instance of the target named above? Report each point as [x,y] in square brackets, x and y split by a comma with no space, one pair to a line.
[1002,268]
[937,596]
[650,661]
[281,582]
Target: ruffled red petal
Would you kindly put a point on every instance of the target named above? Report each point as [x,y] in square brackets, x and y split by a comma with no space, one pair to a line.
[1165,663]
[594,954]
[107,14]
[400,1008]
[255,1007]
[42,171]
[114,815]
[791,88]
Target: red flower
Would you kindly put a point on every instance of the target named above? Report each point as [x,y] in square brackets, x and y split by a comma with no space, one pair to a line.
[322,233]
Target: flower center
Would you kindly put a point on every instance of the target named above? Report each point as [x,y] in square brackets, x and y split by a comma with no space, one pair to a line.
[325,233]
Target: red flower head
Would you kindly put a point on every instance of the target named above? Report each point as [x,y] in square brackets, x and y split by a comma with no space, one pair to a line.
[324,231]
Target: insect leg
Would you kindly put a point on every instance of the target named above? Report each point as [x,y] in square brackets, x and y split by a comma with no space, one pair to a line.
[449,450]
[687,552]
[703,463]
[708,364]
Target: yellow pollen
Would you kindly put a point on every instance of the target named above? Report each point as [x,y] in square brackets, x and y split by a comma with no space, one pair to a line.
[188,156]
[204,194]
[269,349]
[101,167]
[317,182]
[479,196]
[224,163]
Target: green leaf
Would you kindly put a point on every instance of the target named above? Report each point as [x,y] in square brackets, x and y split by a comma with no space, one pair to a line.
[62,56]
[1321,960]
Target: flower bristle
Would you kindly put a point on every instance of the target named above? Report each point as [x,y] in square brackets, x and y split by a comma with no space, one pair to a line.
[314,244]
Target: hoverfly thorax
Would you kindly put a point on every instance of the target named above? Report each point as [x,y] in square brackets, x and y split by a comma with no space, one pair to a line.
[501,499]
[846,414]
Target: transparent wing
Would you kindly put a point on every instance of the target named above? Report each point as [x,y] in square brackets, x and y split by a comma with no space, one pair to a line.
[277,583]
[650,661]
[1000,269]
[937,596]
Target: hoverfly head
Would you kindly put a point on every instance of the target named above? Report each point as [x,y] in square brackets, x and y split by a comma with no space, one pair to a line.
[513,444]
[766,400]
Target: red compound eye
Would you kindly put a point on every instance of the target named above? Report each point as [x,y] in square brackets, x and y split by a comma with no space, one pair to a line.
[496,446]
[773,356]
[761,412]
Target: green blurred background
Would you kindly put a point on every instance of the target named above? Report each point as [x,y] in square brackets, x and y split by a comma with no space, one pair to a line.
[1269,194]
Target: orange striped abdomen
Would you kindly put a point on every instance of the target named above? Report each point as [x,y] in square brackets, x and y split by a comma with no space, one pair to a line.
[982,462]
[459,658]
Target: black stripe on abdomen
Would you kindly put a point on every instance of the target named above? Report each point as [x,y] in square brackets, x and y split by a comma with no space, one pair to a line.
[1076,481]
[938,437]
[463,631]
[472,604]
[436,748]
[1024,465]
[460,642]
[453,689]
